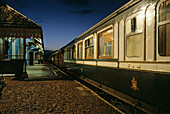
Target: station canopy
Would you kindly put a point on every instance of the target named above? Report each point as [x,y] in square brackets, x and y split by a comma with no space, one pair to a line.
[14,24]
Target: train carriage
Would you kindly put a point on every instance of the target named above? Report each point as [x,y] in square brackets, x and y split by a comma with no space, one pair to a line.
[127,54]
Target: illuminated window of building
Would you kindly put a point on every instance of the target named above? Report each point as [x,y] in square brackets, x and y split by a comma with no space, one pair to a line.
[11,48]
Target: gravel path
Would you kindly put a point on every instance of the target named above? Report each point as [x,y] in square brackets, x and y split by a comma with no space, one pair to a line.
[50,96]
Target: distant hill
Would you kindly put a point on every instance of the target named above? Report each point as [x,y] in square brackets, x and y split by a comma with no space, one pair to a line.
[47,54]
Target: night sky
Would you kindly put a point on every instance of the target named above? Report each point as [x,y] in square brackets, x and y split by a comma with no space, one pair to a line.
[64,20]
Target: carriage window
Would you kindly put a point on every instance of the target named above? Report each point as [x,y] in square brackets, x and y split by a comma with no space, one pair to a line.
[134,35]
[80,50]
[133,24]
[106,44]
[74,52]
[164,29]
[164,11]
[134,45]
[89,49]
[69,53]
[65,54]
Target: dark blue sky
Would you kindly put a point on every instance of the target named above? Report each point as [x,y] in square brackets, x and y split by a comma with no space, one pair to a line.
[64,20]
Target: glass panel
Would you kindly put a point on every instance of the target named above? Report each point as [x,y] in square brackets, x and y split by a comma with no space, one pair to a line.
[133,24]
[89,52]
[134,45]
[164,11]
[164,40]
[106,43]
[91,42]
[80,50]
[89,48]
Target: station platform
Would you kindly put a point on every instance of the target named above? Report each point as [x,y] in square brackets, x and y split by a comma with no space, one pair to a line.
[46,91]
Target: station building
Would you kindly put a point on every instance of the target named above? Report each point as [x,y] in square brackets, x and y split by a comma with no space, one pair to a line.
[21,42]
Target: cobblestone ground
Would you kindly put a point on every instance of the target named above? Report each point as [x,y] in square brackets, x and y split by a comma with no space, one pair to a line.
[50,96]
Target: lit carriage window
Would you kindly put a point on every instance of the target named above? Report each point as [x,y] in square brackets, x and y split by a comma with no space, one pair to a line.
[164,29]
[80,50]
[89,49]
[106,44]
[134,36]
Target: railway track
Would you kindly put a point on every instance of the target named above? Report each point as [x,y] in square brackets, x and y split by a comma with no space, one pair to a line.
[119,105]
